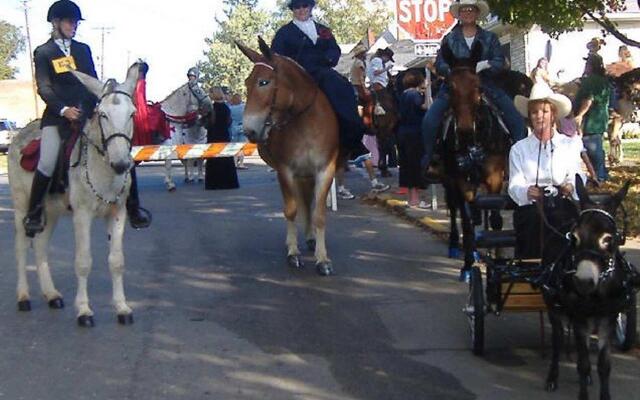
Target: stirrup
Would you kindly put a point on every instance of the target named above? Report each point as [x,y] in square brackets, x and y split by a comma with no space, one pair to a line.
[33,225]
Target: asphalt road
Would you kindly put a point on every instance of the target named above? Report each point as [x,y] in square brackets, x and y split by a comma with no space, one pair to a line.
[218,314]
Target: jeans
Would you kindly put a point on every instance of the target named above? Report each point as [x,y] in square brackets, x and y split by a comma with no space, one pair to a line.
[595,151]
[433,118]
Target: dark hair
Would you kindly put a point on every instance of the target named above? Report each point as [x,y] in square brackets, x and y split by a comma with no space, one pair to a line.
[596,64]
[412,79]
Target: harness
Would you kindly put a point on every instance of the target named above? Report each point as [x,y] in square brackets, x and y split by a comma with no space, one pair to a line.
[101,148]
[556,279]
[269,122]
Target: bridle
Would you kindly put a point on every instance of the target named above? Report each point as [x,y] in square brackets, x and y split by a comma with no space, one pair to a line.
[85,141]
[269,122]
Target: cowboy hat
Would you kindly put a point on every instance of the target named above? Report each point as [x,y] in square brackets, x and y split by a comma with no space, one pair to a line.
[359,49]
[542,91]
[482,6]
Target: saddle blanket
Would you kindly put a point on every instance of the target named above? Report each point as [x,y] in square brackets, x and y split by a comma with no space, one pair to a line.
[191,151]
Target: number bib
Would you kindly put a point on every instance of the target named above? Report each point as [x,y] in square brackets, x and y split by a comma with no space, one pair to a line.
[64,64]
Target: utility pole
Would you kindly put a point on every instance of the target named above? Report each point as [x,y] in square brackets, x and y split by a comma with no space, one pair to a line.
[25,4]
[103,29]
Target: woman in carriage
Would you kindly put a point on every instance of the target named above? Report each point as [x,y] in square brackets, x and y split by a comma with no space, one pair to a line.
[464,36]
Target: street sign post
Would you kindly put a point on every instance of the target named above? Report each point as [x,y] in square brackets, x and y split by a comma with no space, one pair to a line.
[425,20]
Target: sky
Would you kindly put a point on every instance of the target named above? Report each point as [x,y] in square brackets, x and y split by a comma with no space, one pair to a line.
[169,35]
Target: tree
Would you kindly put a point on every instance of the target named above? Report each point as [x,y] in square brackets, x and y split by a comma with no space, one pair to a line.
[12,42]
[226,65]
[558,16]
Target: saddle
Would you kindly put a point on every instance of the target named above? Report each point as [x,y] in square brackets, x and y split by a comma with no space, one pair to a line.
[60,178]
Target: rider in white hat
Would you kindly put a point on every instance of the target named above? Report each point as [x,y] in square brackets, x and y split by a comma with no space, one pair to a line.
[542,169]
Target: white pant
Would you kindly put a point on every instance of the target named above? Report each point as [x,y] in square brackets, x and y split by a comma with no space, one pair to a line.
[49,150]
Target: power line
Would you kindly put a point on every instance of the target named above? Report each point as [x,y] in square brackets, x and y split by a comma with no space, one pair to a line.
[103,29]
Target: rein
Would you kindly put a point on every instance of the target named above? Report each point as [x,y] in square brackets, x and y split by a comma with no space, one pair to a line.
[269,122]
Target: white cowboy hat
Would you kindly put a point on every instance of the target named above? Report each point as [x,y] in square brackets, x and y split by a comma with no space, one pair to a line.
[542,91]
[360,48]
[482,6]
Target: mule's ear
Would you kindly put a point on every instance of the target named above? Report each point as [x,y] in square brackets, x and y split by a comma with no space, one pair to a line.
[617,198]
[447,54]
[133,73]
[583,196]
[92,84]
[252,55]
[476,52]
[264,48]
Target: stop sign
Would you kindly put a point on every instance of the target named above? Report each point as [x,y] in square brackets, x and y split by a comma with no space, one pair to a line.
[425,19]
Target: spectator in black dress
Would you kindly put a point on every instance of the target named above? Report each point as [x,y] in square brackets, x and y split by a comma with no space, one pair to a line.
[412,107]
[220,171]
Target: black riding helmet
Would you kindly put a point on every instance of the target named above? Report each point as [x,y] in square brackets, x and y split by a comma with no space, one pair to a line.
[64,9]
[293,3]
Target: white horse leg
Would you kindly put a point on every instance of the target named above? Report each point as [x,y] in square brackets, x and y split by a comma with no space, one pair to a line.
[82,228]
[323,183]
[41,246]
[168,178]
[116,266]
[21,244]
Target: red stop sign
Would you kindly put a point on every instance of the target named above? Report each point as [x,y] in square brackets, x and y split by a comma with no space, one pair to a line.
[425,19]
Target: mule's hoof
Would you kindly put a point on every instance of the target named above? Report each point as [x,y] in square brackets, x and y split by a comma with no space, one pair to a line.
[56,303]
[311,244]
[551,386]
[125,319]
[86,321]
[454,252]
[24,305]
[295,262]
[324,268]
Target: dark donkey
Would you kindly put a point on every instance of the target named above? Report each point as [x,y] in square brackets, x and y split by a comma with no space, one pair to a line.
[296,130]
[474,147]
[589,287]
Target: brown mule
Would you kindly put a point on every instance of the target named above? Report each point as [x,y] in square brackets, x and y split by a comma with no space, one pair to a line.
[296,130]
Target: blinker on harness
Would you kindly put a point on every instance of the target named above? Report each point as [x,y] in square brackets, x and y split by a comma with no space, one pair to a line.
[269,123]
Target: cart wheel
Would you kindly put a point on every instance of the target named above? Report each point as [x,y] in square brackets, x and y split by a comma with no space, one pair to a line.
[475,311]
[626,327]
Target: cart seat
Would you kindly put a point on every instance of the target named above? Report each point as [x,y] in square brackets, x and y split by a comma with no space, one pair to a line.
[496,239]
[494,202]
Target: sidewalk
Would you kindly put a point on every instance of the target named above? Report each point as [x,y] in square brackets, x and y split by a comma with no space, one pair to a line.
[436,221]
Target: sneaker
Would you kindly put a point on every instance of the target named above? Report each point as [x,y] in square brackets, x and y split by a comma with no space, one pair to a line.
[345,194]
[379,187]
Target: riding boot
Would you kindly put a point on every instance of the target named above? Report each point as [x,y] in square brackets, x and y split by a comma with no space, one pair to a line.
[137,219]
[33,222]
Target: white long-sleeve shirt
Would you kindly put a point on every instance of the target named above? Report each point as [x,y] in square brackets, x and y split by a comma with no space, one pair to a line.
[559,163]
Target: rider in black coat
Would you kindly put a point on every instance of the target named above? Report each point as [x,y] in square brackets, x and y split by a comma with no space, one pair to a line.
[67,102]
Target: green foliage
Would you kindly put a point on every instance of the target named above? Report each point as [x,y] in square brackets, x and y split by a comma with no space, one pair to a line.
[11,43]
[349,19]
[226,65]
[558,16]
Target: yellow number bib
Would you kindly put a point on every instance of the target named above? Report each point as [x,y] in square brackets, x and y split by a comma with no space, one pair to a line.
[64,64]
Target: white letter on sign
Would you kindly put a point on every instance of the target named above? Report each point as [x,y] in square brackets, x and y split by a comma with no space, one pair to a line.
[445,5]
[416,9]
[405,11]
[430,11]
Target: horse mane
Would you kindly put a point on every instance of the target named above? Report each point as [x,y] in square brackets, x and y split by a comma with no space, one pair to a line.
[173,93]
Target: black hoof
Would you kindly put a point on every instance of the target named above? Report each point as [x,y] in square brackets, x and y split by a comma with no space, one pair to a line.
[551,386]
[125,319]
[24,305]
[324,268]
[311,244]
[295,262]
[56,303]
[86,321]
